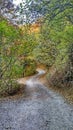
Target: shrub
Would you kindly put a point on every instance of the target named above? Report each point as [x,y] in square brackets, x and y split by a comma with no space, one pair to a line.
[29,66]
[8,87]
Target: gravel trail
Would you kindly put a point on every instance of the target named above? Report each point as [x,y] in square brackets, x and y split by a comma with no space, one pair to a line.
[39,109]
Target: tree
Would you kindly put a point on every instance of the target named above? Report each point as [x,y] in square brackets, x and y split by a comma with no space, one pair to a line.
[57,27]
[9,64]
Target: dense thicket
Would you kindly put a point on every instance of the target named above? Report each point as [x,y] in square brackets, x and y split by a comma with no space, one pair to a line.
[56,40]
[15,48]
[51,46]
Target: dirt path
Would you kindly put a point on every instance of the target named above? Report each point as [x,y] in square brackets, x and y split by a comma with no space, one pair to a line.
[38,109]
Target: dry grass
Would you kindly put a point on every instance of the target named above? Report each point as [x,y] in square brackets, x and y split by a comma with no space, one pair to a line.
[57,83]
[67,93]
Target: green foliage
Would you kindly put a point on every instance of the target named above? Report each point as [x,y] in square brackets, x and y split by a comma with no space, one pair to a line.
[29,67]
[53,46]
[46,53]
[15,46]
[8,36]
[28,43]
[57,27]
[8,57]
[9,87]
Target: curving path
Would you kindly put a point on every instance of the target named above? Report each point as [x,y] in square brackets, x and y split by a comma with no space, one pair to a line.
[38,109]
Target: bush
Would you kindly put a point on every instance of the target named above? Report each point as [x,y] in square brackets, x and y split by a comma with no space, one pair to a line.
[29,66]
[8,87]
